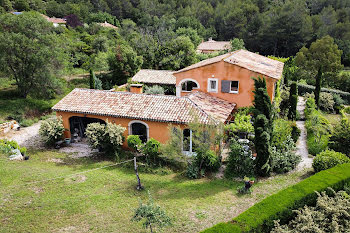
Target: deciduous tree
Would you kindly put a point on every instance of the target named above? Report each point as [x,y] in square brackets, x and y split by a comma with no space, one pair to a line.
[29,52]
[323,58]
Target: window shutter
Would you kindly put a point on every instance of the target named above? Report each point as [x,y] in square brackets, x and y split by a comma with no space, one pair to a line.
[225,86]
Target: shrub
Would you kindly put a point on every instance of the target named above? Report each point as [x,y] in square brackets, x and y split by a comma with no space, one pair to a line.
[282,129]
[338,102]
[96,135]
[154,90]
[151,151]
[318,131]
[51,130]
[134,142]
[331,214]
[340,139]
[310,106]
[27,122]
[303,89]
[261,216]
[242,125]
[105,137]
[315,147]
[328,159]
[347,110]
[293,101]
[240,161]
[327,102]
[7,146]
[203,161]
[284,160]
[295,132]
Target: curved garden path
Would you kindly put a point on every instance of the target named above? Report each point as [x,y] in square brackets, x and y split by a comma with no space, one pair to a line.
[28,136]
[306,161]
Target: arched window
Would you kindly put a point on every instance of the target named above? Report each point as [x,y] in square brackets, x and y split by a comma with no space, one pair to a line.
[139,128]
[189,85]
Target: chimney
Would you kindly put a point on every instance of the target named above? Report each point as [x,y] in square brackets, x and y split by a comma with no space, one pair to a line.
[136,88]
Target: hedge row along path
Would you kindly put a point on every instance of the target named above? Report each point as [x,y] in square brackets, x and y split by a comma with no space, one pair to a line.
[306,161]
[260,217]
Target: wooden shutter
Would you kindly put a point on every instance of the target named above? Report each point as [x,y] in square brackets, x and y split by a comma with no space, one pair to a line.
[225,86]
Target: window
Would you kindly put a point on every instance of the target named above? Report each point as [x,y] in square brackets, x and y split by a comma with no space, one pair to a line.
[189,86]
[140,129]
[234,86]
[212,85]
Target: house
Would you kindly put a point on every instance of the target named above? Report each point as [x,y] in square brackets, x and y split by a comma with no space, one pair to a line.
[228,76]
[55,21]
[148,116]
[107,25]
[212,46]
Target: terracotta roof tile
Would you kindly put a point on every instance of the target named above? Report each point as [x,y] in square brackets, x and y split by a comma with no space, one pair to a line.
[155,77]
[213,45]
[205,62]
[161,108]
[256,63]
[215,107]
[245,59]
[107,25]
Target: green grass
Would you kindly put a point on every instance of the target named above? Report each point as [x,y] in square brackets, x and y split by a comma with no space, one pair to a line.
[260,217]
[104,200]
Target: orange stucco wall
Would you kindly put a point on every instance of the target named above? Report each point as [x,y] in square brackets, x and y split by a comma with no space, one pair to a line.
[225,71]
[157,130]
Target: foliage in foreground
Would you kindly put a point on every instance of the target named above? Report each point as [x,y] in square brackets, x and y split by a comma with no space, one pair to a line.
[7,146]
[340,139]
[318,128]
[331,214]
[51,130]
[152,215]
[328,159]
[261,216]
[240,161]
[105,137]
[284,159]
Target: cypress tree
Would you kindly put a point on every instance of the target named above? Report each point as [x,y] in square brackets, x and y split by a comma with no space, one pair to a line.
[318,87]
[262,101]
[92,79]
[293,101]
[262,146]
[263,124]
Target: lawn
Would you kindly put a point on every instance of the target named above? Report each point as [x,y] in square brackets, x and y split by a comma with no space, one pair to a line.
[103,200]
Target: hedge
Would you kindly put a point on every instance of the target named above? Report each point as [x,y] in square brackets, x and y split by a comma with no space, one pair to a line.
[260,217]
[303,89]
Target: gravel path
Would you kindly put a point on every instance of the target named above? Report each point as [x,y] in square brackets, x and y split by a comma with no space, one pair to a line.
[306,162]
[28,136]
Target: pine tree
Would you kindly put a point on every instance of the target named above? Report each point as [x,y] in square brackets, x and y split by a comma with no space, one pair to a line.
[293,101]
[92,79]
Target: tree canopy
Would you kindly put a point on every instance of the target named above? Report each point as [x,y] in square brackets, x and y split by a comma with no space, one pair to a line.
[29,52]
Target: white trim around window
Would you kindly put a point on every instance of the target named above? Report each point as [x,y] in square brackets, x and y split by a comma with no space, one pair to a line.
[210,89]
[234,92]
